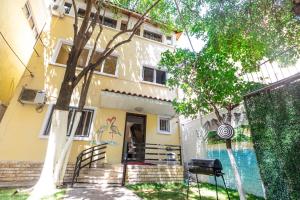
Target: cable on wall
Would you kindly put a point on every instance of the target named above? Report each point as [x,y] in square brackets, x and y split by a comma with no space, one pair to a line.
[30,72]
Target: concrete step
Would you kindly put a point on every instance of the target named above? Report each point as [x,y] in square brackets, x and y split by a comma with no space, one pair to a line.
[101,171]
[100,177]
[99,181]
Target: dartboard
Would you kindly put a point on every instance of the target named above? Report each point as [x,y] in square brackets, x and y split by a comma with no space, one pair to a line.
[225,131]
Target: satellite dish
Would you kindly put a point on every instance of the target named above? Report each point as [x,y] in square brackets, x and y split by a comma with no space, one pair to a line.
[225,131]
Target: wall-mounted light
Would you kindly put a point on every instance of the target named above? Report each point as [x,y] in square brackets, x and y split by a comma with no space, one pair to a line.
[139,109]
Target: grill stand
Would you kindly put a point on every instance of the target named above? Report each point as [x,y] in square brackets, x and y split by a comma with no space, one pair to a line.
[216,184]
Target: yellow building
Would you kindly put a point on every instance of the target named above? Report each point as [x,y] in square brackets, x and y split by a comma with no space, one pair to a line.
[128,92]
[19,29]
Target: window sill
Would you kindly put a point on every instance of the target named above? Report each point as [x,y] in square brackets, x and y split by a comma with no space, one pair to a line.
[164,133]
[79,69]
[75,138]
[156,84]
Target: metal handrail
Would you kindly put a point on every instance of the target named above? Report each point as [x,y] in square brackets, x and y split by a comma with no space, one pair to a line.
[82,158]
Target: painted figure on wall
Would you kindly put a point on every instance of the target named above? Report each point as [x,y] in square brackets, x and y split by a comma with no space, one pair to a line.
[111,128]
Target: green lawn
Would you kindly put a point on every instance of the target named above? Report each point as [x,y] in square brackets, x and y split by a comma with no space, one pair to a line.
[12,194]
[177,191]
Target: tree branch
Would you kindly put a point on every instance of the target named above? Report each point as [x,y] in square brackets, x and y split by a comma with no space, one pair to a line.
[109,50]
[75,25]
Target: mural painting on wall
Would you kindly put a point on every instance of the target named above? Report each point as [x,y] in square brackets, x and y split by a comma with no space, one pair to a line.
[110,129]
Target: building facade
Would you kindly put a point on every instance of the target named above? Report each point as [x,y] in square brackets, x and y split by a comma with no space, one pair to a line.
[128,100]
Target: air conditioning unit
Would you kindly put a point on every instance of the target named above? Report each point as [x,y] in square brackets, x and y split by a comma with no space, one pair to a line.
[30,96]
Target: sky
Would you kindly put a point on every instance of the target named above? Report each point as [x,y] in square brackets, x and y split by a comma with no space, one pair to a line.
[184,43]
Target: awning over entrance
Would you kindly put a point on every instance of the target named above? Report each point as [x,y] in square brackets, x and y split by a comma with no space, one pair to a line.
[135,103]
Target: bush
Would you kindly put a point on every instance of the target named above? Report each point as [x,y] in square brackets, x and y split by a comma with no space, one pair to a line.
[274,118]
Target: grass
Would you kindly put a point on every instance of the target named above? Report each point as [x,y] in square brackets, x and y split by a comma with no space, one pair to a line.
[10,194]
[13,194]
[177,191]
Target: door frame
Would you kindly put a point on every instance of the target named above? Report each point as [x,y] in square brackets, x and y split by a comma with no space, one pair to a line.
[125,129]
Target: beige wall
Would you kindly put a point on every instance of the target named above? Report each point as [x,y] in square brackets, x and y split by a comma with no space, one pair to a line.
[22,124]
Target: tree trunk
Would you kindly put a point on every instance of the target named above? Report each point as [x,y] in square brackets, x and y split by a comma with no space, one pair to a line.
[64,97]
[46,184]
[233,164]
[57,156]
[238,180]
[63,159]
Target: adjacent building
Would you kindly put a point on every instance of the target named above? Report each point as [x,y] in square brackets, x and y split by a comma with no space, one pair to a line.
[21,23]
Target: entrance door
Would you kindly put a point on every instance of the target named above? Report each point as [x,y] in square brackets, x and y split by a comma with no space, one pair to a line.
[134,137]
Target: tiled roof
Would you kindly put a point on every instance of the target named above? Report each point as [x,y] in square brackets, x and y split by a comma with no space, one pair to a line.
[136,95]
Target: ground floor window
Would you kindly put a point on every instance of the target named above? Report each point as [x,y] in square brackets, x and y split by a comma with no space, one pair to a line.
[84,126]
[164,125]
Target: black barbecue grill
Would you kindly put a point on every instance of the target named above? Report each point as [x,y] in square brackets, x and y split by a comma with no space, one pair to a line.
[210,167]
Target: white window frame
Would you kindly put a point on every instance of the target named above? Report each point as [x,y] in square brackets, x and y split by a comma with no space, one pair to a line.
[34,28]
[72,8]
[158,125]
[58,46]
[171,41]
[47,118]
[154,78]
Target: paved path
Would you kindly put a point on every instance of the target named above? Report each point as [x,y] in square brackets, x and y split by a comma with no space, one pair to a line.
[99,192]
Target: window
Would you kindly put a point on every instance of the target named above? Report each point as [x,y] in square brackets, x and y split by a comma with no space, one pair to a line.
[123,26]
[138,32]
[81,12]
[154,75]
[67,7]
[160,77]
[28,14]
[164,125]
[109,66]
[109,22]
[152,36]
[169,40]
[63,55]
[84,125]
[148,74]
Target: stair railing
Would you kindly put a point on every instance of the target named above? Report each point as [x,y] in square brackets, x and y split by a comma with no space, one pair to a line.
[87,157]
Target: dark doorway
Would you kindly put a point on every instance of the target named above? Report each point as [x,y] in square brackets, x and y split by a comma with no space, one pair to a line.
[134,137]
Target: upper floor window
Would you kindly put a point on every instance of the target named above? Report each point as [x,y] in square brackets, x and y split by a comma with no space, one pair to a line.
[81,12]
[109,66]
[84,125]
[28,14]
[154,75]
[169,40]
[67,7]
[106,21]
[153,36]
[109,22]
[123,26]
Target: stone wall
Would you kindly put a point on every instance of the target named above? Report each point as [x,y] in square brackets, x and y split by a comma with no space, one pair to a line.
[23,173]
[154,173]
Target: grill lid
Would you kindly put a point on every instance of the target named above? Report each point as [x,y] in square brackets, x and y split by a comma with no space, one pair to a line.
[207,163]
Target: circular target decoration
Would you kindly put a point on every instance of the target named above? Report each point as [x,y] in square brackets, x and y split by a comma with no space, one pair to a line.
[225,131]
